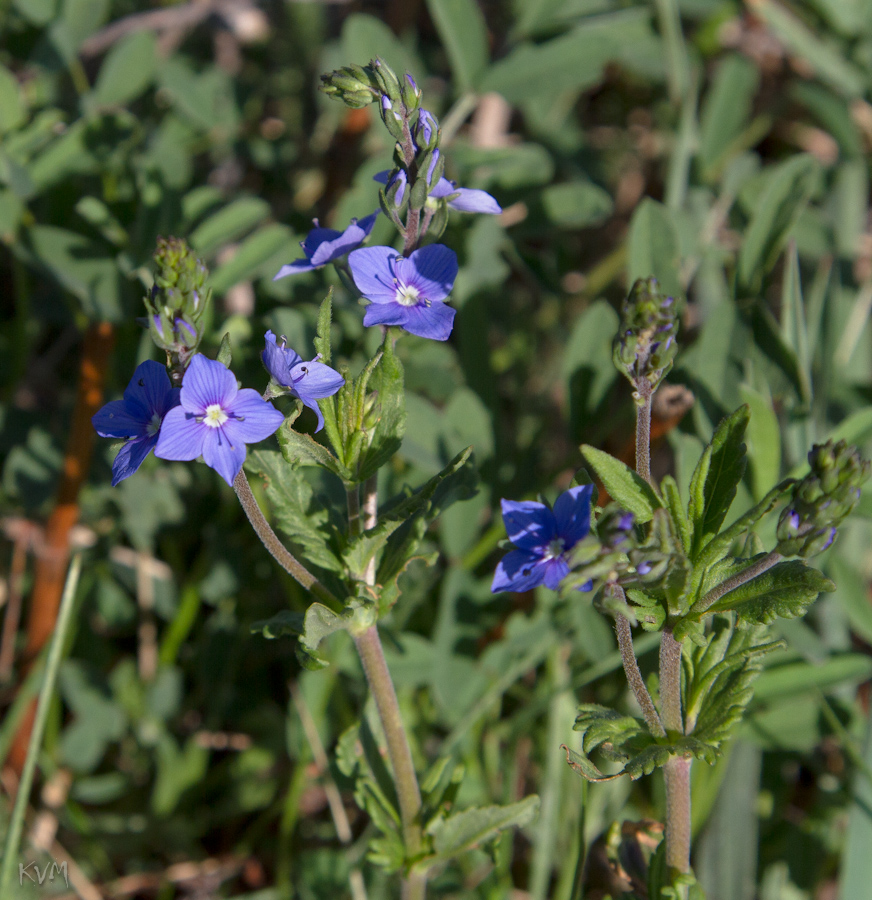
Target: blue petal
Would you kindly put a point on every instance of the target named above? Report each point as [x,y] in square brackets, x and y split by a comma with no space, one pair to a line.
[572,514]
[279,360]
[529,525]
[556,570]
[316,379]
[374,273]
[343,243]
[181,436]
[518,571]
[474,201]
[224,452]
[207,382]
[130,457]
[115,420]
[252,418]
[386,314]
[434,321]
[431,270]
[299,265]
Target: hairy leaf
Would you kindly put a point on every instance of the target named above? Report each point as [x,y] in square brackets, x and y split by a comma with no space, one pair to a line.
[624,485]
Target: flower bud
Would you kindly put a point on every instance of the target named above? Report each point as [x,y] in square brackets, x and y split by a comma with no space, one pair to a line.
[355,86]
[645,346]
[821,500]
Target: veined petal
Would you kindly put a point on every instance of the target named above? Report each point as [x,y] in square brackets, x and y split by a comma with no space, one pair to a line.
[251,417]
[443,188]
[130,457]
[386,314]
[149,387]
[115,420]
[432,270]
[434,321]
[181,436]
[206,383]
[529,525]
[315,379]
[374,272]
[556,570]
[315,238]
[278,360]
[519,571]
[224,452]
[472,200]
[572,514]
[299,265]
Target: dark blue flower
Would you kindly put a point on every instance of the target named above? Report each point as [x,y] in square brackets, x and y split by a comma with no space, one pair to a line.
[137,418]
[323,245]
[308,381]
[543,537]
[215,419]
[407,292]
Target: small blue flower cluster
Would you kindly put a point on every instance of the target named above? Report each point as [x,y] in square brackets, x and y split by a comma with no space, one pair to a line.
[405,291]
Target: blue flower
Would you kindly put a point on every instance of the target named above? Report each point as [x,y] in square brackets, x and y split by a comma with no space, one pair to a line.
[137,418]
[308,381]
[468,200]
[323,245]
[215,419]
[407,292]
[543,537]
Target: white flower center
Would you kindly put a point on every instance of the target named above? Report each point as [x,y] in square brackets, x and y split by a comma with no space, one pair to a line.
[554,549]
[215,416]
[153,426]
[407,295]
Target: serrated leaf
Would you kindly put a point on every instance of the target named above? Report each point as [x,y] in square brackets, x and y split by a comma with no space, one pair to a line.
[296,511]
[472,827]
[672,500]
[624,485]
[786,591]
[320,622]
[716,477]
[303,450]
[390,405]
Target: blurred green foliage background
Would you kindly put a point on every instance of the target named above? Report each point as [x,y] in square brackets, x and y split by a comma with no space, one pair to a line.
[721,146]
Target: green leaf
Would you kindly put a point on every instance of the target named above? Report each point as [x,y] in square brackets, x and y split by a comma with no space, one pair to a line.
[462,28]
[389,411]
[786,591]
[716,477]
[673,502]
[654,247]
[727,109]
[764,441]
[248,261]
[127,70]
[796,679]
[576,204]
[575,60]
[284,623]
[320,622]
[624,485]
[12,109]
[786,194]
[473,827]
[303,450]
[228,224]
[302,517]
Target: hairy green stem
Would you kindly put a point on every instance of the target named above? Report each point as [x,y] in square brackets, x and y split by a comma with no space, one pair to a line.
[737,580]
[644,392]
[677,775]
[361,517]
[276,548]
[634,675]
[670,682]
[372,656]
